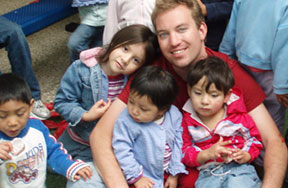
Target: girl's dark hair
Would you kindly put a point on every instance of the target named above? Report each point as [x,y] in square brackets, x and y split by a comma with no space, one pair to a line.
[216,71]
[133,34]
[157,84]
[14,88]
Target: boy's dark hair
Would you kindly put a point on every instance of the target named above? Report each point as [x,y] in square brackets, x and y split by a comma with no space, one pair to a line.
[157,84]
[216,71]
[13,87]
[133,34]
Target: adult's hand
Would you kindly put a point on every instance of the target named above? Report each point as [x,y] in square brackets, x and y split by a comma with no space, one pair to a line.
[283,99]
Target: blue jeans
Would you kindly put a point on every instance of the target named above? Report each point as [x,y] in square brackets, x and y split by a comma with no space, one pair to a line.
[229,175]
[75,149]
[95,181]
[82,38]
[15,42]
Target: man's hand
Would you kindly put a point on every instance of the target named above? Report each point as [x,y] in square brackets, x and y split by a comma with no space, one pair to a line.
[203,7]
[283,99]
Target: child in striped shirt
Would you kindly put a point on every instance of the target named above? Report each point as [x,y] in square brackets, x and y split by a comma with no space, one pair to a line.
[91,83]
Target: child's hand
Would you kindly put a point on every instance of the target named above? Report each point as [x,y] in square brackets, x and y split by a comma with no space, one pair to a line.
[144,182]
[5,149]
[240,156]
[171,182]
[96,111]
[84,173]
[219,149]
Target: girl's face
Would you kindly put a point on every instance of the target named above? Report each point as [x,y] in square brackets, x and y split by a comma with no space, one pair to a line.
[126,59]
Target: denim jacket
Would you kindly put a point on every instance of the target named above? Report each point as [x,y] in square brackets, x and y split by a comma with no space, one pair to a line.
[81,3]
[80,88]
[140,147]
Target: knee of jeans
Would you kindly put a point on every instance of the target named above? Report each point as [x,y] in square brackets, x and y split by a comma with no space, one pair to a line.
[16,31]
[72,43]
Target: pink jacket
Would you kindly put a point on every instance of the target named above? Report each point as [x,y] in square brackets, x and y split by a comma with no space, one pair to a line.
[238,127]
[122,13]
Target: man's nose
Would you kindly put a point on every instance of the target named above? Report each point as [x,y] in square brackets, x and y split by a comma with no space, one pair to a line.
[174,39]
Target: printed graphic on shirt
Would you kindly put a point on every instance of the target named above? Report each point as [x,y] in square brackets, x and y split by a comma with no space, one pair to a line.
[24,167]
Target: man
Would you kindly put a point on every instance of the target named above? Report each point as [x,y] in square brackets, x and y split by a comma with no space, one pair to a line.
[181,32]
[15,42]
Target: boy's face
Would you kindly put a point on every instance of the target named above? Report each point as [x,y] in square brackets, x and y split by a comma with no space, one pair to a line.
[14,117]
[207,103]
[142,109]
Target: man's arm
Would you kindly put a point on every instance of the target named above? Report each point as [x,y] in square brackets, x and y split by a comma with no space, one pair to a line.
[275,162]
[101,145]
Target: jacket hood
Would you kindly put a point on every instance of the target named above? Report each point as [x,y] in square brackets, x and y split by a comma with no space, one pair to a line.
[90,57]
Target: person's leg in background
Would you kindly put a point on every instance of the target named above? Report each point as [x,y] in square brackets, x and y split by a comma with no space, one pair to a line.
[13,38]
[82,38]
[90,32]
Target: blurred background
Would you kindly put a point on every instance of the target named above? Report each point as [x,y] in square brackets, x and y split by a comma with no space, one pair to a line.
[50,56]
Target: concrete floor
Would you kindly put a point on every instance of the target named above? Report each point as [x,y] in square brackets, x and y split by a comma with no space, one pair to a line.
[50,57]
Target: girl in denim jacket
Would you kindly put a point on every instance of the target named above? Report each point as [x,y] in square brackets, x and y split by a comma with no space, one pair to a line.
[92,82]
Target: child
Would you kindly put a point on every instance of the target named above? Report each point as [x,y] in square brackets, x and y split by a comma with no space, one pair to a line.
[220,138]
[25,144]
[147,138]
[97,78]
[89,33]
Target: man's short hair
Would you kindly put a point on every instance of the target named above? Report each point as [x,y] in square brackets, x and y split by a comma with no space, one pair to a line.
[164,5]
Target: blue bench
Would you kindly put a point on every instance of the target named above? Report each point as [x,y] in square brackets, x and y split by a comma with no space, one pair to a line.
[36,16]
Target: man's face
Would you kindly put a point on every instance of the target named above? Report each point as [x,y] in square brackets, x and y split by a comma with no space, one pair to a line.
[181,41]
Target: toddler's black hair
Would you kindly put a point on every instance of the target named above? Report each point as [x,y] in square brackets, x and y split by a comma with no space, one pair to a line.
[216,71]
[157,84]
[13,87]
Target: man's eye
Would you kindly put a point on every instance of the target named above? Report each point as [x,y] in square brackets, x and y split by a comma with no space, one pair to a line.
[163,35]
[182,29]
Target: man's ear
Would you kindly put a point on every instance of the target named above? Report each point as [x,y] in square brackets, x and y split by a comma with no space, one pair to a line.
[203,31]
[228,95]
[31,105]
